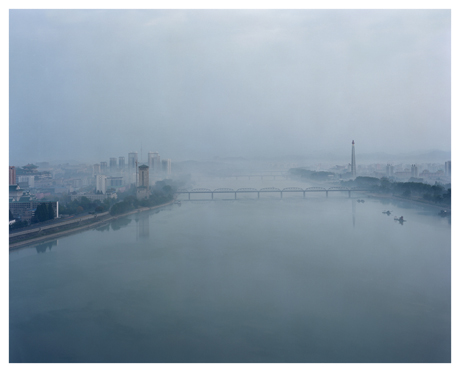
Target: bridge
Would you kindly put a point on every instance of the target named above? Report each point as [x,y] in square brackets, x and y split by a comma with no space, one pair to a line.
[261,176]
[249,190]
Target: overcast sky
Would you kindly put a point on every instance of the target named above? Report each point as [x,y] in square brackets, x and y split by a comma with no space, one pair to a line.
[90,85]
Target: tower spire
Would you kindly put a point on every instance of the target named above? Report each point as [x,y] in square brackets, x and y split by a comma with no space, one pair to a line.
[353,160]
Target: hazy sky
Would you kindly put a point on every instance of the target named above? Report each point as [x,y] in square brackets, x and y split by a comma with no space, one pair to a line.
[194,84]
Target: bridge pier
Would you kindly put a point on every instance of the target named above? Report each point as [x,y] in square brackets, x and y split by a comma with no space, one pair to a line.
[349,193]
[327,194]
[235,195]
[212,196]
[258,194]
[281,195]
[304,194]
[188,196]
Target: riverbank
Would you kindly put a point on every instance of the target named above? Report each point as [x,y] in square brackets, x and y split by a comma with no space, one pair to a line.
[418,202]
[54,235]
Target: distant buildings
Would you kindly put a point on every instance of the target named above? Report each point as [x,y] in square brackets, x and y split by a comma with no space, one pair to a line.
[15,192]
[101,186]
[132,160]
[156,163]
[151,156]
[12,175]
[121,163]
[103,167]
[166,166]
[113,164]
[390,170]
[26,181]
[414,171]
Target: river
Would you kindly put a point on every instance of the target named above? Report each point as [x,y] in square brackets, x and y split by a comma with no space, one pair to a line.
[293,280]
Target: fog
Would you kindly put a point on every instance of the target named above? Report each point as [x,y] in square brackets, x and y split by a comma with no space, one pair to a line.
[201,84]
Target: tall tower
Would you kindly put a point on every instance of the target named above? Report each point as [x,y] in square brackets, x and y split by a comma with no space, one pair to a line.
[143,176]
[143,182]
[353,160]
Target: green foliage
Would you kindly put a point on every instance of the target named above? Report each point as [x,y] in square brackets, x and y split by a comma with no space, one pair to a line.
[161,193]
[83,204]
[313,175]
[44,212]
[121,207]
[406,193]
[367,181]
[18,225]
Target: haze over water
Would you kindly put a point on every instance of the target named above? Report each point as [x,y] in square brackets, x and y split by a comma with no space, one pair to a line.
[292,280]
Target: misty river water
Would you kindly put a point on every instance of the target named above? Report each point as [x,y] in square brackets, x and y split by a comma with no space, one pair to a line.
[293,280]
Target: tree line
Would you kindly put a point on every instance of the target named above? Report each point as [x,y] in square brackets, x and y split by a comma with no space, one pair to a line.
[437,193]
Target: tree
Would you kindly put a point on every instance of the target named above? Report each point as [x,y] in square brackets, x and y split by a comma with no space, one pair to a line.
[50,211]
[41,213]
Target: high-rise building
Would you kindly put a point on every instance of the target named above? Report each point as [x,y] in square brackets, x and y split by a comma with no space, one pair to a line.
[353,160]
[132,160]
[151,156]
[166,166]
[414,171]
[12,175]
[96,168]
[113,164]
[101,184]
[143,182]
[156,163]
[143,176]
[103,167]
[121,162]
[447,168]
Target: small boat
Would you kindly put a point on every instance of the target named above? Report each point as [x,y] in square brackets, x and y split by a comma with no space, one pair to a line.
[400,219]
[444,213]
[387,212]
[177,202]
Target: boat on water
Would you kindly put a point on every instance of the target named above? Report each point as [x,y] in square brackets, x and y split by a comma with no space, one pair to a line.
[387,212]
[400,219]
[178,202]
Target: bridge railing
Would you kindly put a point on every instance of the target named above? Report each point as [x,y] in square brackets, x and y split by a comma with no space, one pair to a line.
[267,190]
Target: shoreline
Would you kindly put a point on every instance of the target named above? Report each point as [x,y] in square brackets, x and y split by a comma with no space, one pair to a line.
[34,240]
[418,202]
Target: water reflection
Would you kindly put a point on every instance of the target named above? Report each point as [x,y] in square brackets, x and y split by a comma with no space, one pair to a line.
[143,229]
[120,222]
[105,227]
[353,208]
[41,248]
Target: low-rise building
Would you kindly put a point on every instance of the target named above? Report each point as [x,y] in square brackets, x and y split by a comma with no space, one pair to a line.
[24,209]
